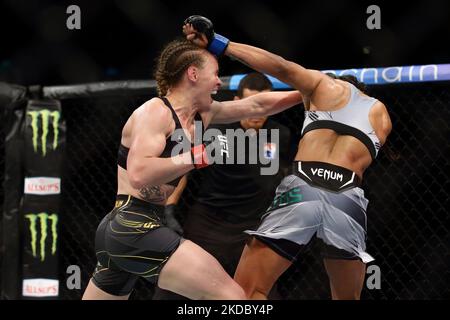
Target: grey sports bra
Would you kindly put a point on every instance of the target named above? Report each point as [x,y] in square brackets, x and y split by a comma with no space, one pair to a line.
[352,119]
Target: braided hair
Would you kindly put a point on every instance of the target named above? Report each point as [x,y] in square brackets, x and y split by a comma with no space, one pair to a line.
[175,58]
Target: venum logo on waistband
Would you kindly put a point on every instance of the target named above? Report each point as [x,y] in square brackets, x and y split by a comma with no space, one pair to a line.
[327,174]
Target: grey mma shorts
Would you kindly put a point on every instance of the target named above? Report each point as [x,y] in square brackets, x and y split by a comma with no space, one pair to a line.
[300,211]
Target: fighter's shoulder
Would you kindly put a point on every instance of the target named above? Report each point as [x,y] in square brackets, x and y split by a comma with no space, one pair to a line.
[380,119]
[152,115]
[378,108]
[327,86]
[154,109]
[208,115]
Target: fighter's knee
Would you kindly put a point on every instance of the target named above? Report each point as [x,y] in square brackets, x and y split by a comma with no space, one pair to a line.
[228,291]
[244,284]
[235,293]
[253,291]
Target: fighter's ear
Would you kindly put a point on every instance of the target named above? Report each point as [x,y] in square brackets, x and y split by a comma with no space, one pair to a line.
[192,73]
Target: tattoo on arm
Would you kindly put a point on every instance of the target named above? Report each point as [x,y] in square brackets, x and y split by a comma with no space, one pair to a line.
[153,194]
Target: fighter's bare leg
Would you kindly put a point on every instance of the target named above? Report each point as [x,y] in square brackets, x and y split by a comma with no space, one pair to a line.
[346,278]
[258,269]
[196,274]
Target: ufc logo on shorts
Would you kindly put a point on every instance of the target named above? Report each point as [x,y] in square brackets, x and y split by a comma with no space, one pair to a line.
[223,145]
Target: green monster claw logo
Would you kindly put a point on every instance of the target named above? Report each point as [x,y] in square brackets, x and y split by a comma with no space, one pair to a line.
[43,219]
[45,117]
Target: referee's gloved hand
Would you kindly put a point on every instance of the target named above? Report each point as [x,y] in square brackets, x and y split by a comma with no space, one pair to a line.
[171,221]
[200,30]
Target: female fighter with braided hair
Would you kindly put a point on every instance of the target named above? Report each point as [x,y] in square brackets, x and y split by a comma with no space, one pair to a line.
[133,240]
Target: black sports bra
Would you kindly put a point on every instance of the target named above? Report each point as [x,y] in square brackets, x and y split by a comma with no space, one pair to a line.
[170,143]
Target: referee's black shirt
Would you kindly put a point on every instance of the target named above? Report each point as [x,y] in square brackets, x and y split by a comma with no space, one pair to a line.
[239,192]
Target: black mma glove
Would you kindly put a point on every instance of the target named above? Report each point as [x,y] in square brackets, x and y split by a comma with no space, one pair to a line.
[216,43]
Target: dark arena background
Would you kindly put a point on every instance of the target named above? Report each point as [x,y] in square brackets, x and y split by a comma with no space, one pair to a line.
[66,94]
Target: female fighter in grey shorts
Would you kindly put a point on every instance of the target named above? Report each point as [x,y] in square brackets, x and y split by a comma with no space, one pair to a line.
[341,136]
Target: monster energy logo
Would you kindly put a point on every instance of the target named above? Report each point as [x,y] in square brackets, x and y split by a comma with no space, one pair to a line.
[45,116]
[43,220]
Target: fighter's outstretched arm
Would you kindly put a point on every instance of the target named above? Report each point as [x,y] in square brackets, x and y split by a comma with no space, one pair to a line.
[200,31]
[259,105]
